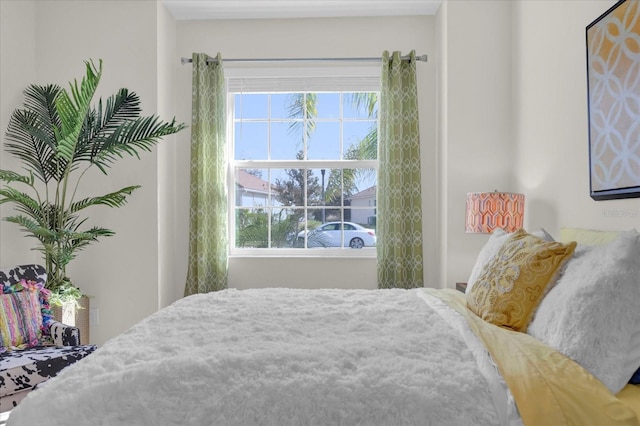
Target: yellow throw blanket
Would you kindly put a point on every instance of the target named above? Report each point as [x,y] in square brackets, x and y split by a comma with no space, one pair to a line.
[630,395]
[549,388]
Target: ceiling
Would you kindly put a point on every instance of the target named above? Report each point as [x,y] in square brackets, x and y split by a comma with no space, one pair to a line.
[256,9]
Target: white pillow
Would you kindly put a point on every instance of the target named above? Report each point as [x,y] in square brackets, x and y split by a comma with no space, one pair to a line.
[488,251]
[491,248]
[542,233]
[592,315]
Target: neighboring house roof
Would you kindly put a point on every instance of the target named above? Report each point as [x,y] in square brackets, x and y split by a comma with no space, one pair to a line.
[252,183]
[367,193]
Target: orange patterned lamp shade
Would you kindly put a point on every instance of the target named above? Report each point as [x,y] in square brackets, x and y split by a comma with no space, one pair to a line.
[487,211]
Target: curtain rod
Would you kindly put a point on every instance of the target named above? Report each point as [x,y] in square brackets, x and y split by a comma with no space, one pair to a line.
[423,58]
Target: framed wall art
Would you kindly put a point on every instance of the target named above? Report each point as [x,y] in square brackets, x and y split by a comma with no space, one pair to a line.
[613,87]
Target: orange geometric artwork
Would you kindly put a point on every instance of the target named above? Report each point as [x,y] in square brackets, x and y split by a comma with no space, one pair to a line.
[613,77]
[487,211]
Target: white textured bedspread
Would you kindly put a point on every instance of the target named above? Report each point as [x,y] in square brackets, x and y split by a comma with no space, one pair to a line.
[274,357]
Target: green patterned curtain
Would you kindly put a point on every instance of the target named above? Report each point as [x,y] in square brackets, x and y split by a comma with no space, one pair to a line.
[399,198]
[208,240]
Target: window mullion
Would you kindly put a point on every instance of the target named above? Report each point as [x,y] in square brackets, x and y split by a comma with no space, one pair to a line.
[311,164]
[278,214]
[305,185]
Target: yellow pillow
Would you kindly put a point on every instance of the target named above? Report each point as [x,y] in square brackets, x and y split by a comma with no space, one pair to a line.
[512,284]
[588,237]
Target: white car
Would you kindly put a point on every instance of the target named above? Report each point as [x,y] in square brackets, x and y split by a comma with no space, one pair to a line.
[330,235]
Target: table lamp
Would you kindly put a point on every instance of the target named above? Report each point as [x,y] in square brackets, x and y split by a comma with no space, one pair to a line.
[487,211]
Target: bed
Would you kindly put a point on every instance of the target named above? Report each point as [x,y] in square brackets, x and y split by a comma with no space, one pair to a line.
[380,357]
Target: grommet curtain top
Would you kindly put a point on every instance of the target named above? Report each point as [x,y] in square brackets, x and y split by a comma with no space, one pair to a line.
[422,58]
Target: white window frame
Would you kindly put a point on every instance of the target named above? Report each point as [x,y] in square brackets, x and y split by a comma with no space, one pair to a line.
[300,78]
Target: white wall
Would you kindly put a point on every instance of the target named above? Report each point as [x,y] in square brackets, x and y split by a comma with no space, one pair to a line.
[167,71]
[551,133]
[475,121]
[144,266]
[309,38]
[17,71]
[49,42]
[511,114]
[120,272]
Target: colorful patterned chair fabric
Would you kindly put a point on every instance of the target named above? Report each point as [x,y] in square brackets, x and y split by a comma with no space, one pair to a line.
[21,371]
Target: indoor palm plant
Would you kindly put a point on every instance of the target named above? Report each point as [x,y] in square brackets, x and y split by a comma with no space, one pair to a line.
[57,137]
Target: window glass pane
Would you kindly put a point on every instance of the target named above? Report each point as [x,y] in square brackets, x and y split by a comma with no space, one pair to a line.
[355,181]
[360,105]
[362,198]
[360,230]
[286,140]
[303,228]
[324,142]
[361,182]
[314,218]
[286,105]
[252,188]
[365,217]
[251,141]
[311,106]
[251,228]
[288,186]
[332,214]
[284,227]
[314,187]
[298,206]
[328,105]
[333,187]
[339,234]
[251,105]
[315,236]
[360,140]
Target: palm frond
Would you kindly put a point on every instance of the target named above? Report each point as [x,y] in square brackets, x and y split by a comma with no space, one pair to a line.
[366,100]
[132,137]
[302,106]
[61,245]
[42,233]
[70,236]
[318,239]
[23,203]
[31,133]
[81,240]
[9,176]
[114,199]
[103,121]
[73,109]
[60,257]
[72,242]
[97,232]
[366,148]
[120,107]
[41,100]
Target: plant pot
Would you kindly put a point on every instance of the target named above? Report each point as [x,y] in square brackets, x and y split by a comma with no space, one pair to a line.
[69,314]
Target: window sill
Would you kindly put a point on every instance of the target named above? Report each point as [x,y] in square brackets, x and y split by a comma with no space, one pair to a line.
[321,253]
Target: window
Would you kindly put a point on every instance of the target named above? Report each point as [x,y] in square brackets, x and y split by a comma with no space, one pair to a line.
[303,161]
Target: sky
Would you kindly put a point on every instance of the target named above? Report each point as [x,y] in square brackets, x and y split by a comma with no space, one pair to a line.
[252,128]
[263,132]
